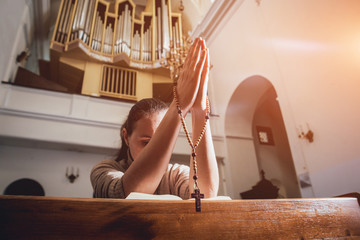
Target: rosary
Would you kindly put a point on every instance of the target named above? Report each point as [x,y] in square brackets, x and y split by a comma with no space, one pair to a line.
[197,195]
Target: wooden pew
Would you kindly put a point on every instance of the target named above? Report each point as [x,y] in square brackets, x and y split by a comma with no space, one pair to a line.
[24,217]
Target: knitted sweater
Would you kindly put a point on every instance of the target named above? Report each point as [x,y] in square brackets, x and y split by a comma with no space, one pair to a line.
[106,179]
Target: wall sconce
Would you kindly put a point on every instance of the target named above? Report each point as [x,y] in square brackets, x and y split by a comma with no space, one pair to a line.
[24,55]
[181,7]
[309,135]
[71,177]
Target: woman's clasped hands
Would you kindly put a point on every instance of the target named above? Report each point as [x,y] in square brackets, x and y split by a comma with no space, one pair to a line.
[193,79]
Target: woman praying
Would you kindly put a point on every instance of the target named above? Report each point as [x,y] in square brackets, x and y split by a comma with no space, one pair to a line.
[149,135]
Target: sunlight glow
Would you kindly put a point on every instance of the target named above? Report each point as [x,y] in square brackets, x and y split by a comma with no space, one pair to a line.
[297,45]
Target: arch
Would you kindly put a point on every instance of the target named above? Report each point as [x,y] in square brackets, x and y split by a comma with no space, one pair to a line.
[25,186]
[242,105]
[254,103]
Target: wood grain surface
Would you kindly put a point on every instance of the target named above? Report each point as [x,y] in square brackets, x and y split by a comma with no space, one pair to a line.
[24,217]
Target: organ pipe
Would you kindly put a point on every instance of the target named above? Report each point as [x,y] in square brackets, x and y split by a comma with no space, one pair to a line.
[114,33]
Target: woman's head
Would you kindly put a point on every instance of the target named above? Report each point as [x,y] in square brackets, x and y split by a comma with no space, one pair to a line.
[141,123]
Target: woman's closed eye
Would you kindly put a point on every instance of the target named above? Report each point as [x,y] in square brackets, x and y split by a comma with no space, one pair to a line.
[145,142]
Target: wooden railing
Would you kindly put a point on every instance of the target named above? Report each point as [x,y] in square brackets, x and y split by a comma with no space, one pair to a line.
[118,82]
[75,218]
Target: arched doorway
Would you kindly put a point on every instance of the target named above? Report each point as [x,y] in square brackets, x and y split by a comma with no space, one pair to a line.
[253,107]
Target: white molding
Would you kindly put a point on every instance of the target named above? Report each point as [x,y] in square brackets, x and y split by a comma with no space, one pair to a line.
[5,95]
[46,140]
[18,45]
[5,110]
[240,137]
[74,112]
[42,116]
[11,87]
[22,142]
[217,16]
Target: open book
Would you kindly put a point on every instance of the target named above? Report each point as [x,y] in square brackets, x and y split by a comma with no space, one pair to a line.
[136,195]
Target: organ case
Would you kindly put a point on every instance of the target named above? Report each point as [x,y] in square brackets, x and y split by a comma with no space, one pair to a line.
[110,32]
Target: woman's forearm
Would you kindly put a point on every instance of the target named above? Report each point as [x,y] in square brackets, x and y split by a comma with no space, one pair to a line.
[207,169]
[145,173]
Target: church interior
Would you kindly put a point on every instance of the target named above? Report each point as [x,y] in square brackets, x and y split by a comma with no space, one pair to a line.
[283,92]
[283,89]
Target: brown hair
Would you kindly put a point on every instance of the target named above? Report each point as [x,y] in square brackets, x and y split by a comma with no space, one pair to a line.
[143,108]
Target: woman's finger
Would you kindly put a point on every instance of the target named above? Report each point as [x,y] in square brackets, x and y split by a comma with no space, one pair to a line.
[200,64]
[205,70]
[196,57]
[191,51]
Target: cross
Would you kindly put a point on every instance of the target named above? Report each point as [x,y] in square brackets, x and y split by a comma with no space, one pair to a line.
[197,195]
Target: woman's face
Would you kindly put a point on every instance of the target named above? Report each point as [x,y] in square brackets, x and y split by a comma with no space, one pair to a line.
[143,130]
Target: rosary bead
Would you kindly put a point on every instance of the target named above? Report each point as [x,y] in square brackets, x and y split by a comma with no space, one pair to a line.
[197,193]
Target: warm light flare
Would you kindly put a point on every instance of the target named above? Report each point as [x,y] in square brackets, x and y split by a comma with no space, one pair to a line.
[299,45]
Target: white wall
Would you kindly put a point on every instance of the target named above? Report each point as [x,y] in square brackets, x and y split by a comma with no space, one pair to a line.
[14,14]
[310,52]
[48,167]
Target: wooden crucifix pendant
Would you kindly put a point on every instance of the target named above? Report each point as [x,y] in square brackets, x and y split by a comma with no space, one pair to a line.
[197,195]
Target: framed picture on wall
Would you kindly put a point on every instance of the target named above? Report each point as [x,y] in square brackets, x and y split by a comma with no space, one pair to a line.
[265,135]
